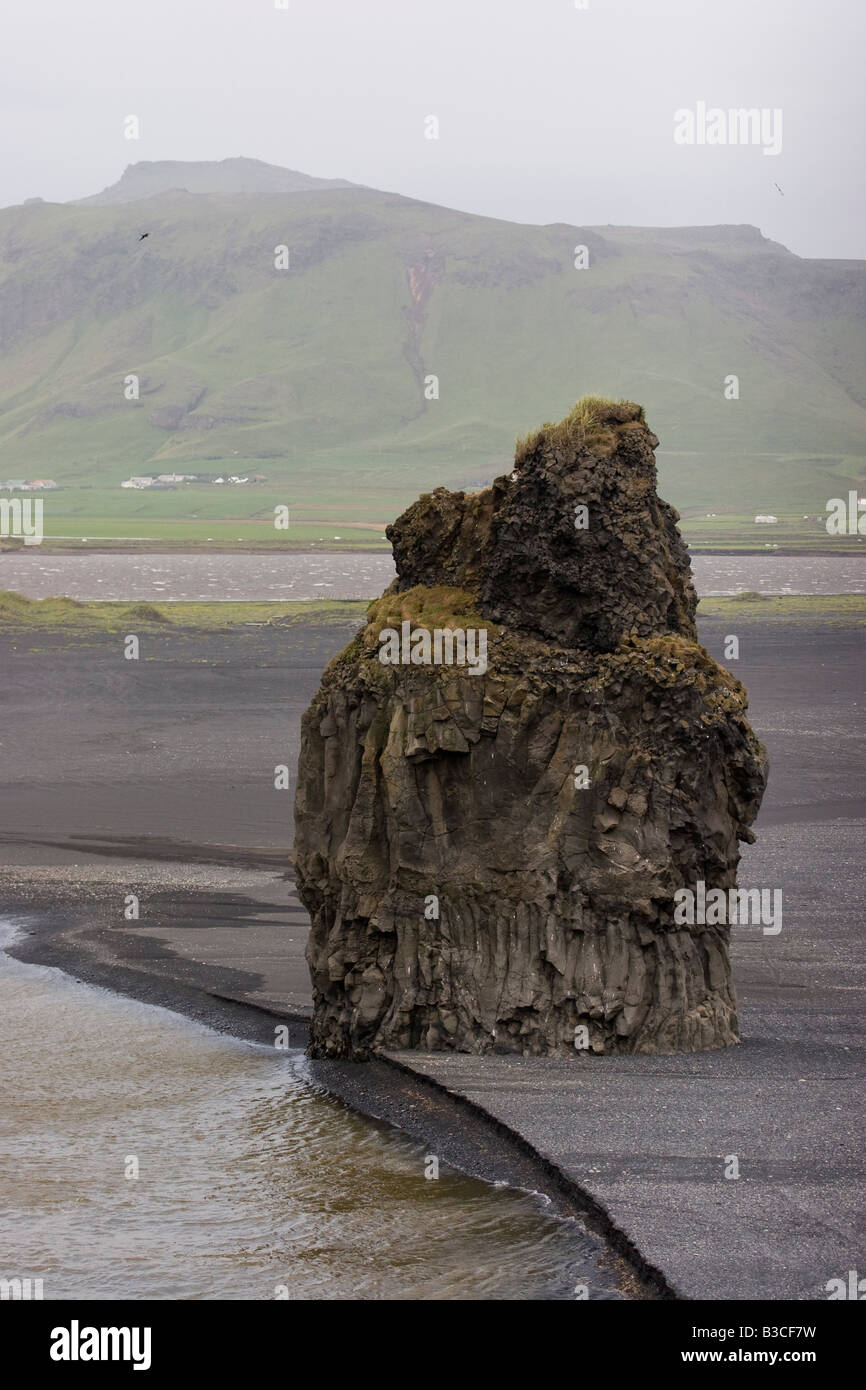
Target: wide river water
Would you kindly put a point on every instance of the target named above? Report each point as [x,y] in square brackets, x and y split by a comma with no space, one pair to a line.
[297,576]
[252,1183]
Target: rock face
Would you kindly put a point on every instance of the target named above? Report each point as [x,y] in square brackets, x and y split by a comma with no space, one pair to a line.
[490,856]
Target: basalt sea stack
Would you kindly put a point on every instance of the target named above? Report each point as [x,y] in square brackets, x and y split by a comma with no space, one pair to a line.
[489,852]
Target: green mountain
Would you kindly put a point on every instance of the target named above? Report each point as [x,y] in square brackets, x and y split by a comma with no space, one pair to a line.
[318,376]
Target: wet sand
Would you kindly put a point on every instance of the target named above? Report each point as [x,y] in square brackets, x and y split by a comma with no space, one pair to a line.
[178,750]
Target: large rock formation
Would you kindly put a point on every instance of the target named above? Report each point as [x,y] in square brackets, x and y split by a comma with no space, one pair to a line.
[489,856]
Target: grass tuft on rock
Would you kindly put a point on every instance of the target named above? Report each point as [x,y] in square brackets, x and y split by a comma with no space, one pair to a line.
[592,424]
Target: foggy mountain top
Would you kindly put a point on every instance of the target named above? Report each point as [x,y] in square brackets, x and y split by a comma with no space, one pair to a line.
[148,178]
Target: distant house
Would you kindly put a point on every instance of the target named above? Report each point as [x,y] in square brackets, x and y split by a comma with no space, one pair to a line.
[766,521]
[14,484]
[219,480]
[258,478]
[43,484]
[138,482]
[234,479]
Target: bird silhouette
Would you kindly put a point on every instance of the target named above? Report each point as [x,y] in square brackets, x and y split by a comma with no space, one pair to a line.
[775,185]
[143,235]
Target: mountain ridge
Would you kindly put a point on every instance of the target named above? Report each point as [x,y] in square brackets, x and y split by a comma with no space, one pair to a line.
[238,174]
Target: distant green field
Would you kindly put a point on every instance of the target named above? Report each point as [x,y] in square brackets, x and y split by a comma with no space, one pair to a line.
[244,518]
[187,532]
[792,533]
[198,514]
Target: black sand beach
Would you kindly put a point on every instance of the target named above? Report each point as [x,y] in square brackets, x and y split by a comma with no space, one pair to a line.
[156,778]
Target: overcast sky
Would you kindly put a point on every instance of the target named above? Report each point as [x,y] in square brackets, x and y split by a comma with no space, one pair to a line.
[547,112]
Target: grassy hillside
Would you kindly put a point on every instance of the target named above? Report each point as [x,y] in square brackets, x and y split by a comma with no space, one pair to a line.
[315,375]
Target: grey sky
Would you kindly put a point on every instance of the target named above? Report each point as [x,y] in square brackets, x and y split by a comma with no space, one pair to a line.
[547,113]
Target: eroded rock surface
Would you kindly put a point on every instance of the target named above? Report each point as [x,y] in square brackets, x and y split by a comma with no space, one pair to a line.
[466,889]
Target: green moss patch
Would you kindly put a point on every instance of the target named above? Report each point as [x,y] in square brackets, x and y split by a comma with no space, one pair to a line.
[425,607]
[18,613]
[834,609]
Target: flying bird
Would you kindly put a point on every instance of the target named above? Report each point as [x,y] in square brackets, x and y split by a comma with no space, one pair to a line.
[143,235]
[775,185]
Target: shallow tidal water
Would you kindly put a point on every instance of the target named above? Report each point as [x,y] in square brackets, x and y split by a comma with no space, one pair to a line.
[252,1184]
[200,577]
